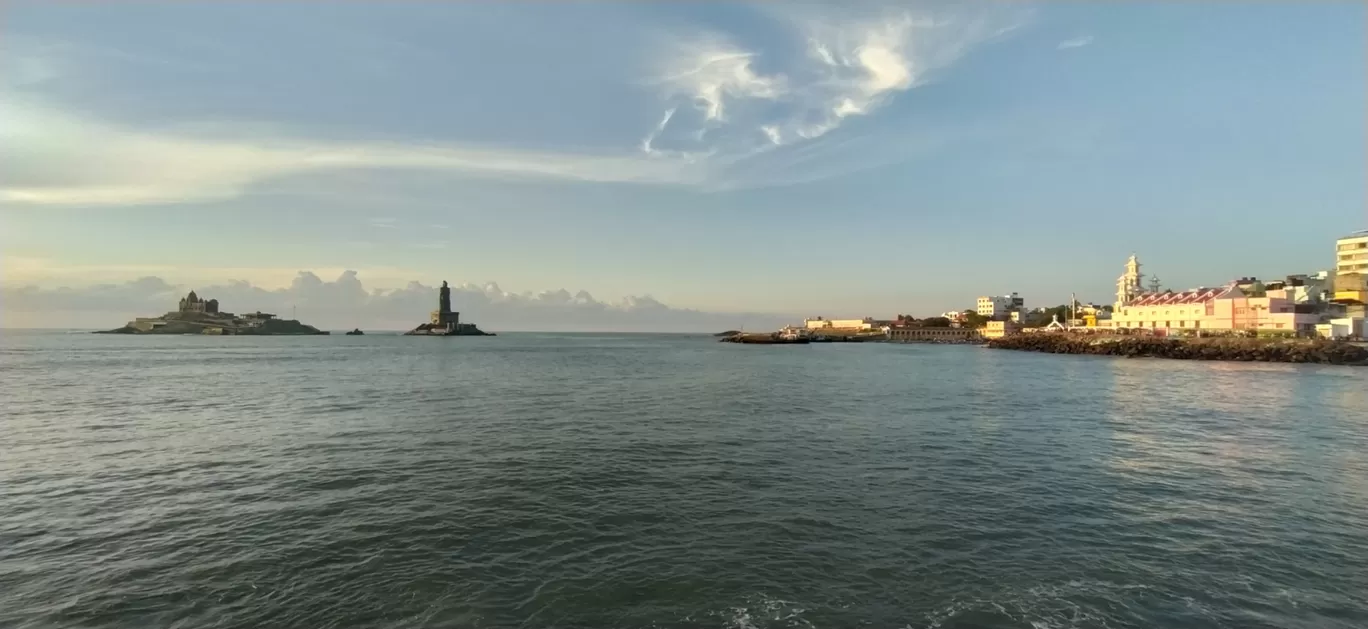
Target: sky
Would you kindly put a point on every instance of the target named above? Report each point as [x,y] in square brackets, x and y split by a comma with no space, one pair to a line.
[663,166]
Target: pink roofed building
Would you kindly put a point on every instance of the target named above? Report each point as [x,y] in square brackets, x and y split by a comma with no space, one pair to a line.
[1234,306]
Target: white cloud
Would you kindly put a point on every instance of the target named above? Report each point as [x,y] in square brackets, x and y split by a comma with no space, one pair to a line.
[54,159]
[1077,42]
[854,65]
[727,103]
[713,72]
[345,302]
[772,132]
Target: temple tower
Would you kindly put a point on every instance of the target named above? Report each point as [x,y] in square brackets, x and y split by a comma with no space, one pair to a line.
[1128,286]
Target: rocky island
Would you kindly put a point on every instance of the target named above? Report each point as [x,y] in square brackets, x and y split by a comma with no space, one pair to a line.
[200,316]
[444,321]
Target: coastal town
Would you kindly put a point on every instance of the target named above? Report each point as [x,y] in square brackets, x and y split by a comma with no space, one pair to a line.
[1327,304]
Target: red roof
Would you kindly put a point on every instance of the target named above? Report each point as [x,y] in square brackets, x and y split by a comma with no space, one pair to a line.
[1166,298]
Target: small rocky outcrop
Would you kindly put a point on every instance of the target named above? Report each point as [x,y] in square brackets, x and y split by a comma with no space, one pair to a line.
[1238,349]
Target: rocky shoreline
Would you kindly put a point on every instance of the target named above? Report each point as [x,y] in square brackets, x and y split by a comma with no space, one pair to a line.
[1235,349]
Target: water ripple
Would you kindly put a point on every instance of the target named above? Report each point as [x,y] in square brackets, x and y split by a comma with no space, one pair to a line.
[670,482]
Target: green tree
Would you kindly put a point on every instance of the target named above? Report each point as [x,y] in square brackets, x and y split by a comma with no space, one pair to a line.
[974,320]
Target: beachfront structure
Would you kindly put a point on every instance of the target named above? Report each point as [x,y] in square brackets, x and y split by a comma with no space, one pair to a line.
[1225,308]
[1000,306]
[999,329]
[1244,305]
[1343,328]
[819,323]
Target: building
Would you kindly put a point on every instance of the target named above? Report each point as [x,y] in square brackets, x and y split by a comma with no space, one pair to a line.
[192,303]
[1000,307]
[955,318]
[1343,328]
[1305,289]
[1351,269]
[999,329]
[1351,254]
[256,319]
[922,335]
[1245,304]
[818,323]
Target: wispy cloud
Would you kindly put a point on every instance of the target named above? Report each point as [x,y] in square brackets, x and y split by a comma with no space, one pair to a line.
[727,107]
[1076,42]
[733,102]
[56,159]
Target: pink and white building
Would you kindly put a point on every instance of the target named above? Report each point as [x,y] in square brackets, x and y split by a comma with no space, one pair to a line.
[1225,308]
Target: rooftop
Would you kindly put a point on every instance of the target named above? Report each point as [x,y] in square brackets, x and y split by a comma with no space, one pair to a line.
[1194,296]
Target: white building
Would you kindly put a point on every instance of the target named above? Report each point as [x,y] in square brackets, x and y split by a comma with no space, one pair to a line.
[1000,307]
[820,323]
[1351,272]
[1351,254]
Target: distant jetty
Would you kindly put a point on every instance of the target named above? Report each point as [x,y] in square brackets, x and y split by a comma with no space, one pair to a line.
[1235,349]
[202,316]
[765,339]
[445,321]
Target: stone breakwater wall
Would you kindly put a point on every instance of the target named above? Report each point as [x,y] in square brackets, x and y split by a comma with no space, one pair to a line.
[1258,350]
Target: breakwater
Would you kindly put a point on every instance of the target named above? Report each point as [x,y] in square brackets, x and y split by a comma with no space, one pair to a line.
[1239,349]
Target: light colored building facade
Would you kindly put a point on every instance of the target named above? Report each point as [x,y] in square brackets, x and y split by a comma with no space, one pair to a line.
[1351,269]
[1225,308]
[954,317]
[999,329]
[820,323]
[1351,254]
[1000,306]
[1343,328]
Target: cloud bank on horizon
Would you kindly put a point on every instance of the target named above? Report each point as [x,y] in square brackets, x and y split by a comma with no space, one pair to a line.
[730,106]
[345,303]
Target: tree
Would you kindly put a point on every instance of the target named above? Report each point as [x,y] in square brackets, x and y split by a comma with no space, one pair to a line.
[935,322]
[974,320]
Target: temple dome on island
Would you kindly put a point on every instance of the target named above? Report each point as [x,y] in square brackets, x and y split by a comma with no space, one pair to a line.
[445,321]
[196,315]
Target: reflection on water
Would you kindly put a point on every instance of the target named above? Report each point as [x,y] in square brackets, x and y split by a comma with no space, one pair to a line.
[670,482]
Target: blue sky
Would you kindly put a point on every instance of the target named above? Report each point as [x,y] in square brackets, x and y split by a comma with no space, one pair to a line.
[777,158]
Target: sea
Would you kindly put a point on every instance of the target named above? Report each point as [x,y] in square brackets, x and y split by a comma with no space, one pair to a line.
[670,481]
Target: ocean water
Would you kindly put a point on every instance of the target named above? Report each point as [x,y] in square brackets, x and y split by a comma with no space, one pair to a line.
[670,482]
